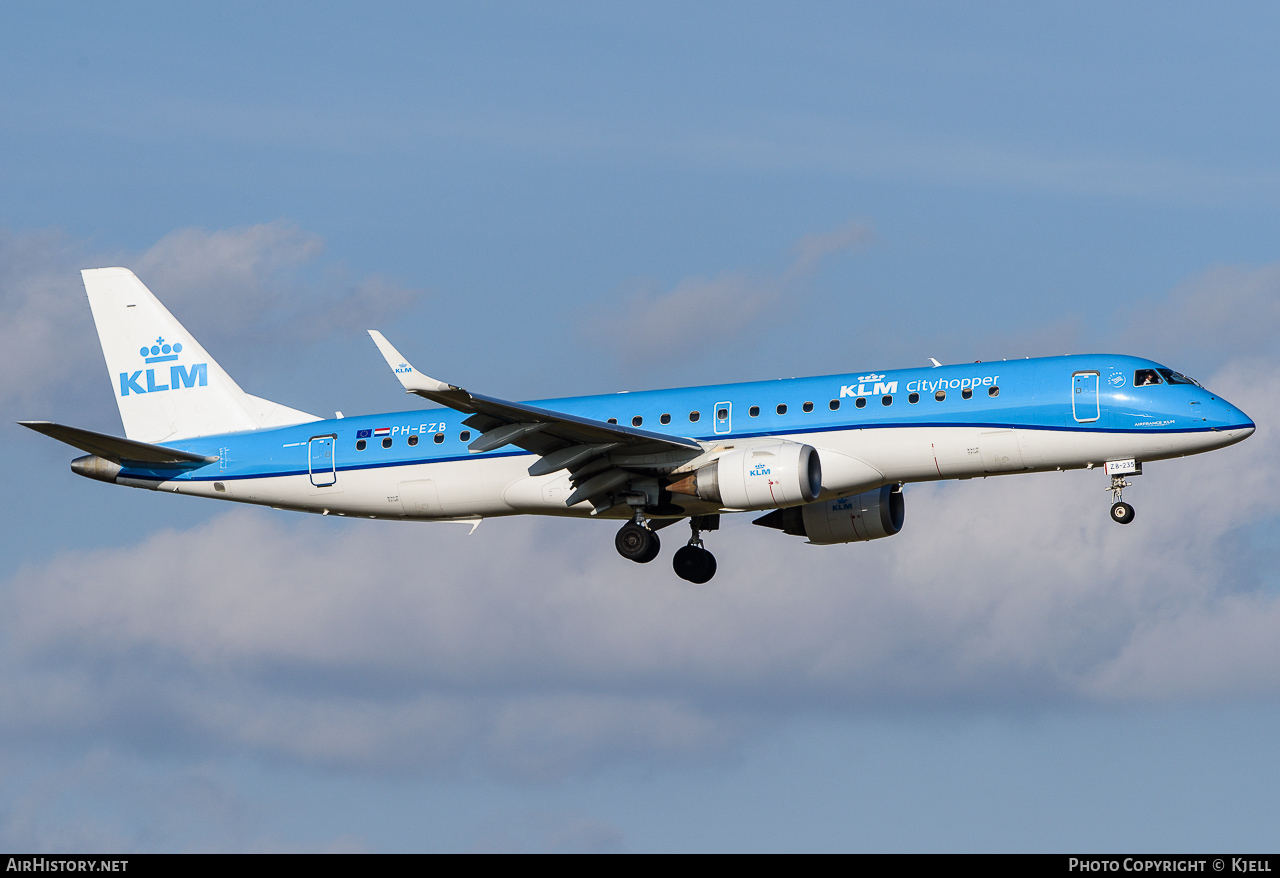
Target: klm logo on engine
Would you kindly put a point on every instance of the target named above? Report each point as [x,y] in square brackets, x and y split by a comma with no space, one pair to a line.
[179,376]
[760,469]
[879,387]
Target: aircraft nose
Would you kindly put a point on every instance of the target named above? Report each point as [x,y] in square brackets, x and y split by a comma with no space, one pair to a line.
[1234,422]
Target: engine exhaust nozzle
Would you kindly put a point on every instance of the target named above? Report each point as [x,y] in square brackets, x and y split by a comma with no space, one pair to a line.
[93,467]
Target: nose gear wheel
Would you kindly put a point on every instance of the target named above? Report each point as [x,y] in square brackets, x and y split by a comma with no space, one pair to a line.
[1121,513]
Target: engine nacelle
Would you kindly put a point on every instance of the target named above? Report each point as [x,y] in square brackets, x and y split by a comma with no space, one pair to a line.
[759,477]
[870,515]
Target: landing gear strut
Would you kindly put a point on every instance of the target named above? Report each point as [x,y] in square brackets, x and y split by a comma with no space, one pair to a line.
[693,563]
[638,543]
[1121,512]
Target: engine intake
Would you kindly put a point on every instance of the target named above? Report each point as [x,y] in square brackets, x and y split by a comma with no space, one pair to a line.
[870,515]
[759,477]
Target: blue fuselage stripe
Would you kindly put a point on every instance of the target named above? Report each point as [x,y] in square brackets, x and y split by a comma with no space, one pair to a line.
[1017,394]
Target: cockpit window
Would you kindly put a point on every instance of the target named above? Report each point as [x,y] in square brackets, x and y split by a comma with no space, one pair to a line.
[1177,377]
[1143,377]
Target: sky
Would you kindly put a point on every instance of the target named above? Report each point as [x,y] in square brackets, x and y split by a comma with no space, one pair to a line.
[541,201]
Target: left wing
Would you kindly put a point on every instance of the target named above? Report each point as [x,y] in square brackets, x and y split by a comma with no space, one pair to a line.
[562,441]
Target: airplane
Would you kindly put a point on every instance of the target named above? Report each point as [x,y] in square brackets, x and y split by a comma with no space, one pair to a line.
[825,458]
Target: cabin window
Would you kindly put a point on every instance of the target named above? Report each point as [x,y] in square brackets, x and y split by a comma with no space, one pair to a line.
[637,421]
[360,445]
[808,406]
[834,405]
[413,440]
[886,400]
[940,395]
[694,417]
[993,391]
[860,402]
[439,438]
[782,408]
[613,420]
[967,393]
[722,414]
[913,398]
[386,443]
[754,411]
[1144,377]
[665,419]
[464,436]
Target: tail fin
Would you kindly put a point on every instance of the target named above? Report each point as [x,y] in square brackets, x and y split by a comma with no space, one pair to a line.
[167,387]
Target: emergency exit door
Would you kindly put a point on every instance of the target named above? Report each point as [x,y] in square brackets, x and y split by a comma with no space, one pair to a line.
[724,418]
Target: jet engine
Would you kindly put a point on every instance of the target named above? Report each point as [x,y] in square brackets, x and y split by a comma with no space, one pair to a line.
[758,477]
[870,515]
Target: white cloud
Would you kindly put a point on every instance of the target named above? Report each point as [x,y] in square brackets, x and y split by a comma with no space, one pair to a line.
[698,315]
[44,324]
[1225,312]
[252,281]
[232,287]
[530,649]
[812,249]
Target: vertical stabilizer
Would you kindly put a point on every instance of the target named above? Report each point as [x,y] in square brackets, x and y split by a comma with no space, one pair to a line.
[166,384]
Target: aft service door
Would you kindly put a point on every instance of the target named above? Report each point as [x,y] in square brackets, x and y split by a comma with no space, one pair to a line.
[1084,396]
[323,470]
[724,417]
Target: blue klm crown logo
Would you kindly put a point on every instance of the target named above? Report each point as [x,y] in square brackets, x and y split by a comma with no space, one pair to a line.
[179,376]
[160,352]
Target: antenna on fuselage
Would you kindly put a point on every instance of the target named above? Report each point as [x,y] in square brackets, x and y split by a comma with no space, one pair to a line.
[936,364]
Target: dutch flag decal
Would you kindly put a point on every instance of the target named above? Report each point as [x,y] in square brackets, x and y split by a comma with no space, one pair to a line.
[382,431]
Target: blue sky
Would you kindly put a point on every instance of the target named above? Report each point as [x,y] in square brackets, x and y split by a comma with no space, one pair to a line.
[575,199]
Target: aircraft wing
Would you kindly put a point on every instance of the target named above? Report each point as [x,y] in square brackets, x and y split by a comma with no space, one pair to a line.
[563,441]
[116,449]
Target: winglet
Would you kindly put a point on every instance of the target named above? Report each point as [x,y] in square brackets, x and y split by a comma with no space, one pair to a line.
[410,378]
[936,364]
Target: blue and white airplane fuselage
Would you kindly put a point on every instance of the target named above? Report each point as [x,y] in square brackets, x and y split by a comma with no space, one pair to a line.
[825,456]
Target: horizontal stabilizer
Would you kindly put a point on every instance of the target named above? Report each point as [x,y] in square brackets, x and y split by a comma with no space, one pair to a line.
[119,450]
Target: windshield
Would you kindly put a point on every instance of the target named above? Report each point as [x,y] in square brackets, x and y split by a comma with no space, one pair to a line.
[1177,377]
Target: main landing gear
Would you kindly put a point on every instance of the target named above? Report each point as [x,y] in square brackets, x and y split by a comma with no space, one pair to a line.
[637,542]
[693,563]
[1121,512]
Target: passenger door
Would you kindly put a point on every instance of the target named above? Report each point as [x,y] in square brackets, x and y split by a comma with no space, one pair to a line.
[324,471]
[1084,396]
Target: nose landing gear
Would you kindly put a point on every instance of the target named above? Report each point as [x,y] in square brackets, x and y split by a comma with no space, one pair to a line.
[1121,512]
[693,563]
